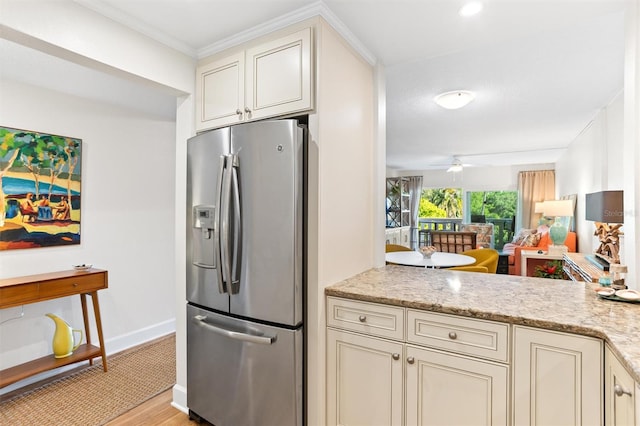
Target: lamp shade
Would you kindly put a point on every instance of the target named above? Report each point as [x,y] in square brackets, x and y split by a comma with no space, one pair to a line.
[539,207]
[605,206]
[555,208]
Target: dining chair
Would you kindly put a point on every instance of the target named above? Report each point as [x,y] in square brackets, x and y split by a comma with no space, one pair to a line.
[481,269]
[395,247]
[484,257]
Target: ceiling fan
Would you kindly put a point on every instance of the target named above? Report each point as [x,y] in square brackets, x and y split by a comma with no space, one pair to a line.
[456,166]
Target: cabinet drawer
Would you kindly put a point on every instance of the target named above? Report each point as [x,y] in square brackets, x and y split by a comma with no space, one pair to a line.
[72,285]
[485,339]
[370,318]
[18,295]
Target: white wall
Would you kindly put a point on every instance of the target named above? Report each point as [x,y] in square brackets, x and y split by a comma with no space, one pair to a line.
[132,209]
[341,216]
[593,163]
[127,221]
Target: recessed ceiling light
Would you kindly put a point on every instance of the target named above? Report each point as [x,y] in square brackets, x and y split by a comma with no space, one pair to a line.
[470,9]
[454,100]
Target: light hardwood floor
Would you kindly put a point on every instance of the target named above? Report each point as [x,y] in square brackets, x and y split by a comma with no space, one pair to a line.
[156,411]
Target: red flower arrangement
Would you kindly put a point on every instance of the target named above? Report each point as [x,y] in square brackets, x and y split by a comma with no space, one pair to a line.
[551,269]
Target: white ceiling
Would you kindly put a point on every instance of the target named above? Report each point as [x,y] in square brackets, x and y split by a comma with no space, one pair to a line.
[541,69]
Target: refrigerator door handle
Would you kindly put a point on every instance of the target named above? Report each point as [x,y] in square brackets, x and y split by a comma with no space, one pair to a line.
[222,288]
[225,258]
[237,226]
[263,340]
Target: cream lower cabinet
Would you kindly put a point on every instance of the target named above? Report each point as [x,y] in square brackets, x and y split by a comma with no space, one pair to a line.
[557,378]
[446,389]
[366,380]
[375,377]
[619,392]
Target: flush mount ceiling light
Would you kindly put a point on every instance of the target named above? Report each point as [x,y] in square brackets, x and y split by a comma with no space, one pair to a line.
[455,99]
[470,9]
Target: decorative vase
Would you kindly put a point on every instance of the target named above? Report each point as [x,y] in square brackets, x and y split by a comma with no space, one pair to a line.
[63,341]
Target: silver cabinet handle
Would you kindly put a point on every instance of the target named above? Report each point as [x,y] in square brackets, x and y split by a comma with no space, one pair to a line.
[263,340]
[362,318]
[247,110]
[619,391]
[395,356]
[239,112]
[411,360]
[453,335]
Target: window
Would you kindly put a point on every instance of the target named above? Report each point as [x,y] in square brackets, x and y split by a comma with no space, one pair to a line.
[441,209]
[497,207]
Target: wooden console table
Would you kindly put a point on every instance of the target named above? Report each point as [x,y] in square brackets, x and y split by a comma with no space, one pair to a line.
[37,288]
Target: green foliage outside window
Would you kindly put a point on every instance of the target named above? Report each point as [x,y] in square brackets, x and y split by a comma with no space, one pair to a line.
[428,209]
[445,200]
[494,204]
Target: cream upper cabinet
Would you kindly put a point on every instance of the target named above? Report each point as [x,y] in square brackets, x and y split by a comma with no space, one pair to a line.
[280,73]
[619,393]
[274,78]
[220,92]
[557,378]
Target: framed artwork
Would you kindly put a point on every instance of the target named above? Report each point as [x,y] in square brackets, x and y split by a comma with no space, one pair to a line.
[39,189]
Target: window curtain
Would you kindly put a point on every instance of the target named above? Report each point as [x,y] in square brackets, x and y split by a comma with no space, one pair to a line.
[415,193]
[534,186]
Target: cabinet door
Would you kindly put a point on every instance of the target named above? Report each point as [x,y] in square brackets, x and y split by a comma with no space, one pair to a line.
[557,378]
[619,392]
[446,389]
[364,380]
[279,76]
[220,92]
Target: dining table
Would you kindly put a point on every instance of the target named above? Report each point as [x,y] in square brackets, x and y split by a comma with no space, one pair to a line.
[437,259]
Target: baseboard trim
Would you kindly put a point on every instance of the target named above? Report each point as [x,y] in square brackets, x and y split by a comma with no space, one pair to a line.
[138,337]
[180,398]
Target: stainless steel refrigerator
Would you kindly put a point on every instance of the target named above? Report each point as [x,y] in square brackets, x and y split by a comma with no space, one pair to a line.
[246,198]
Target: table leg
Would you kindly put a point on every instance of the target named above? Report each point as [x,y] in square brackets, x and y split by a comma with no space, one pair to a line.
[96,311]
[85,317]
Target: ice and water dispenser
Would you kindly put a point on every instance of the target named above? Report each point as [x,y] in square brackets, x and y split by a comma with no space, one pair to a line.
[203,236]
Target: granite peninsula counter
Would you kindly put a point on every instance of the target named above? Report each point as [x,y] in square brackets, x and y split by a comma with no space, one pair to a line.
[558,305]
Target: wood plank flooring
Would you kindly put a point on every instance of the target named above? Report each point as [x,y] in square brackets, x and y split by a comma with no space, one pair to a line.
[154,412]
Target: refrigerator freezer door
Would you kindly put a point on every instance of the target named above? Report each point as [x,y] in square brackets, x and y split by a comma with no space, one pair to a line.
[203,169]
[243,373]
[270,167]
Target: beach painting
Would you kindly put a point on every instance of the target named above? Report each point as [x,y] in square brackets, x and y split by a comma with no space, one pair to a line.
[39,189]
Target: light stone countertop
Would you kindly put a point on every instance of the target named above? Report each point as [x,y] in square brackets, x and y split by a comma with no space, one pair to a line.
[551,304]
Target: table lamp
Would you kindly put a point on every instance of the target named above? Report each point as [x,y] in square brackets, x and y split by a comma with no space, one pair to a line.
[606,209]
[562,211]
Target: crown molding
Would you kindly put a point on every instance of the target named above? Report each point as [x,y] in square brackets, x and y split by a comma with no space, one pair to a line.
[136,25]
[318,8]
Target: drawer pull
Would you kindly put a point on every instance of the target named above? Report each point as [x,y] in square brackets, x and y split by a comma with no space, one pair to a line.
[619,391]
[411,360]
[395,356]
[453,335]
[362,318]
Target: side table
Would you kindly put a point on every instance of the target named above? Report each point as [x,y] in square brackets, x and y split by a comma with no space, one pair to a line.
[526,255]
